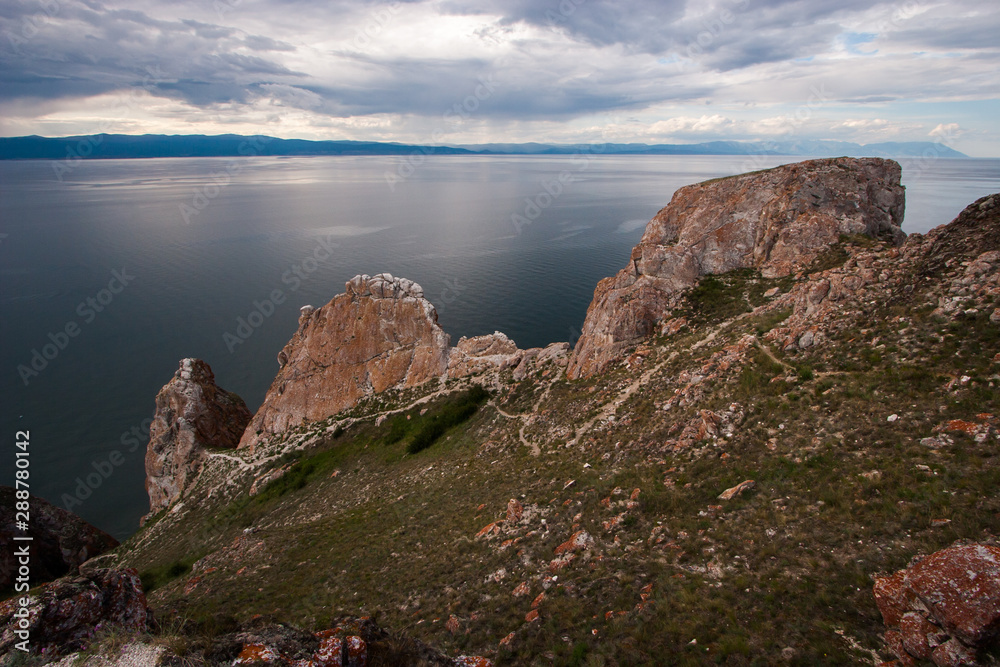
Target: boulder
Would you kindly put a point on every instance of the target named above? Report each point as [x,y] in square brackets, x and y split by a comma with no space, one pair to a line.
[945,607]
[60,540]
[777,221]
[192,414]
[379,334]
[64,614]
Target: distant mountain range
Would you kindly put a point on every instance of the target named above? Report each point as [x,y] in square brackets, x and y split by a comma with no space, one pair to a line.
[108,146]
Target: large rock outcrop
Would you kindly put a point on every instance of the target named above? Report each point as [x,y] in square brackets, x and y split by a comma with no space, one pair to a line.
[380,333]
[192,414]
[60,540]
[776,221]
[65,614]
[945,607]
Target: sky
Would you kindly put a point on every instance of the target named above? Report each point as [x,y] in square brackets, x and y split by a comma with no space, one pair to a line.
[464,71]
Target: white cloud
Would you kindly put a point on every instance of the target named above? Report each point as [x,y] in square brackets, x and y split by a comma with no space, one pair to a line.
[344,69]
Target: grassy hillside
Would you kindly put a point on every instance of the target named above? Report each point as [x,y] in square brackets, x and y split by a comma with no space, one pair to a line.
[857,461]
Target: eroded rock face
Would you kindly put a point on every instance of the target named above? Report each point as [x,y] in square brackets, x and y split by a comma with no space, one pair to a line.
[945,608]
[192,413]
[65,613]
[61,541]
[380,333]
[776,221]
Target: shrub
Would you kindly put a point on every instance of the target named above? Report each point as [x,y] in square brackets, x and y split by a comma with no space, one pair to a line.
[453,413]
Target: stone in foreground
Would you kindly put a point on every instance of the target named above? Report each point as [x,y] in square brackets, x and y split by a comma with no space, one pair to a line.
[61,541]
[945,608]
[65,614]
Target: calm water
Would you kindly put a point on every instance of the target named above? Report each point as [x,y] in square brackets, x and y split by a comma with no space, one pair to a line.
[448,226]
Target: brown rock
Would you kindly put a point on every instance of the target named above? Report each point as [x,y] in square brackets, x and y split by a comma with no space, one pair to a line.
[776,221]
[953,653]
[579,541]
[961,588]
[893,598]
[380,333]
[514,511]
[537,602]
[65,613]
[490,529]
[894,645]
[474,660]
[737,490]
[452,625]
[192,413]
[946,606]
[60,540]
[914,628]
[531,616]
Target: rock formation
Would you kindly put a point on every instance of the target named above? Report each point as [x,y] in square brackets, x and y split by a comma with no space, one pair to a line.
[65,613]
[482,353]
[944,608]
[380,333]
[192,414]
[61,541]
[776,221]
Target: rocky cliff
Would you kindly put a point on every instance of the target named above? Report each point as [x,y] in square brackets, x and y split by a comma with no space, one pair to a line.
[192,415]
[776,221]
[380,333]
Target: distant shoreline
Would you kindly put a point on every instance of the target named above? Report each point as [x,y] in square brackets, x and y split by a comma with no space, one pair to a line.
[120,146]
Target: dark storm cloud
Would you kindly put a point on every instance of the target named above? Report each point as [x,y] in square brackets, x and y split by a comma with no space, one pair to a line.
[63,49]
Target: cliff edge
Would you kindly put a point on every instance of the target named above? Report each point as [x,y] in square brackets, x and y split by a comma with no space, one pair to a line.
[776,221]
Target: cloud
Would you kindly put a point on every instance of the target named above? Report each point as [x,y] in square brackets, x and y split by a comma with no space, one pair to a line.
[556,68]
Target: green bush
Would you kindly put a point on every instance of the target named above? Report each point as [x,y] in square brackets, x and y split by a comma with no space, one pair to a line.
[453,413]
[155,577]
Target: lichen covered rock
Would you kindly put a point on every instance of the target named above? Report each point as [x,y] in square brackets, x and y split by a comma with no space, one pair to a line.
[945,607]
[64,614]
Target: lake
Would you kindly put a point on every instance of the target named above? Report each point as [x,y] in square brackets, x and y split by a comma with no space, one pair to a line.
[124,267]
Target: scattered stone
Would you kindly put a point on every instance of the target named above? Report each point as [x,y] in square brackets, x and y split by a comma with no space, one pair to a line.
[579,541]
[737,490]
[474,660]
[531,616]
